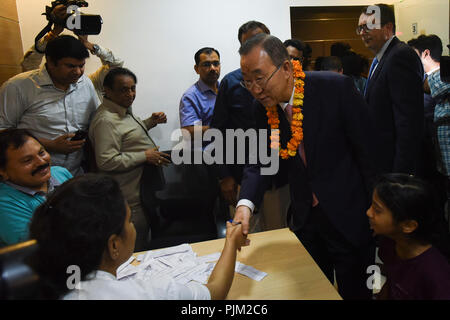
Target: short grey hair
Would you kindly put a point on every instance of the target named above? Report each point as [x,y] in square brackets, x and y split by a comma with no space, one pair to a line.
[273,46]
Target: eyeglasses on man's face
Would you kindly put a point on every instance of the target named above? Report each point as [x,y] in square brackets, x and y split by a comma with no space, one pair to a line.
[366,28]
[260,81]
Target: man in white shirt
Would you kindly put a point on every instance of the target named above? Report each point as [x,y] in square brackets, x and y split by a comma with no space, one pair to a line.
[32,59]
[53,102]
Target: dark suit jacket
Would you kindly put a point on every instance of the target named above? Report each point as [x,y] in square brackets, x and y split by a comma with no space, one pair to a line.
[337,138]
[233,110]
[395,98]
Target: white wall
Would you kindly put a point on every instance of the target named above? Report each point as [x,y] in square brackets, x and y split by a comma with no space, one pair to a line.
[158,40]
[433,18]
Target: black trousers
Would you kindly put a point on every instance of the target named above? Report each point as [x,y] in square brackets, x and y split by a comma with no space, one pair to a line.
[334,253]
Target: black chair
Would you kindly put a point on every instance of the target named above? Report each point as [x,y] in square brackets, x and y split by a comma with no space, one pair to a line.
[188,208]
[17,280]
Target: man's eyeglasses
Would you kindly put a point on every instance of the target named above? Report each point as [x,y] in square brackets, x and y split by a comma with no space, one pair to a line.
[208,64]
[366,28]
[260,82]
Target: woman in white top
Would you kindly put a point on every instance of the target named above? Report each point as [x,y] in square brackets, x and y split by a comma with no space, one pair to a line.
[85,225]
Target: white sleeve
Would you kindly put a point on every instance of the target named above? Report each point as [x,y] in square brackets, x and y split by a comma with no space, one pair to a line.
[109,61]
[165,288]
[247,203]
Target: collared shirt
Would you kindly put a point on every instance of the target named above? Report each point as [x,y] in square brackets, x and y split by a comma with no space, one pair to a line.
[197,105]
[18,203]
[246,202]
[432,71]
[51,184]
[380,53]
[101,285]
[440,91]
[120,141]
[31,101]
[32,59]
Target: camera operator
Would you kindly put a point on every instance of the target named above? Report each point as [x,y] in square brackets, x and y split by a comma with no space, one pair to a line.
[33,58]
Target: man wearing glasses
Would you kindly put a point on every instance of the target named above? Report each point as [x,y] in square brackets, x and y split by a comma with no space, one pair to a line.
[329,176]
[393,91]
[197,103]
[234,110]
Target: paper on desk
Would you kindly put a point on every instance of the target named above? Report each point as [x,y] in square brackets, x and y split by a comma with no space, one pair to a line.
[180,263]
[250,272]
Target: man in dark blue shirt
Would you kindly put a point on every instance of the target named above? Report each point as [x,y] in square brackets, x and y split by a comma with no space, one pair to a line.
[233,110]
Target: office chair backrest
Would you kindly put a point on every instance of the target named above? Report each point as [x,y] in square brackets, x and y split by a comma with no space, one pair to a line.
[17,280]
[186,209]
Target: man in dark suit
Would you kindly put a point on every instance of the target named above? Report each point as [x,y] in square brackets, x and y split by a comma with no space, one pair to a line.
[331,188]
[393,91]
[233,110]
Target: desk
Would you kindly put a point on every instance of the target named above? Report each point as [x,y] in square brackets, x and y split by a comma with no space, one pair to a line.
[292,273]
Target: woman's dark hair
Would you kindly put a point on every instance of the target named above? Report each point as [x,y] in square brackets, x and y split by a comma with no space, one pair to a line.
[65,46]
[73,228]
[410,198]
[115,72]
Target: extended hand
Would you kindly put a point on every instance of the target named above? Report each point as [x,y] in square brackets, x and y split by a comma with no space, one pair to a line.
[63,145]
[235,235]
[158,117]
[59,14]
[243,215]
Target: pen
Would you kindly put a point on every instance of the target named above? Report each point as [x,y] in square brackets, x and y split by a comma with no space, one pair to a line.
[233,222]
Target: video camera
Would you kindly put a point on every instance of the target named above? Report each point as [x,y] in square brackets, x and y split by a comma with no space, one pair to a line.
[74,20]
[88,24]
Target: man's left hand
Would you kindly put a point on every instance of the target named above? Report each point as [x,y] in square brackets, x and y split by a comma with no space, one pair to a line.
[158,117]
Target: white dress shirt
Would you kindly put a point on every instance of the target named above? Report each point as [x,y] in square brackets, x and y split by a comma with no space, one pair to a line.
[102,285]
[31,101]
[246,202]
[32,59]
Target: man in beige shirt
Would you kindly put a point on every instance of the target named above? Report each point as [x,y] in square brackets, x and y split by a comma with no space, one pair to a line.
[122,144]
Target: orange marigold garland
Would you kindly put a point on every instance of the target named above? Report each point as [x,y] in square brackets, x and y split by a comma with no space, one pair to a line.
[297,117]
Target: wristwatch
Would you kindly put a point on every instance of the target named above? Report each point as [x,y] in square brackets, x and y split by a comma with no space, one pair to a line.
[96,49]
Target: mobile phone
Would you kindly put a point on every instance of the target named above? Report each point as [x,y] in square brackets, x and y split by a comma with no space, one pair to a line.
[79,135]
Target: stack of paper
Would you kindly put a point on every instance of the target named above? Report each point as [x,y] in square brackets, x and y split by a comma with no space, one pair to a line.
[181,263]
